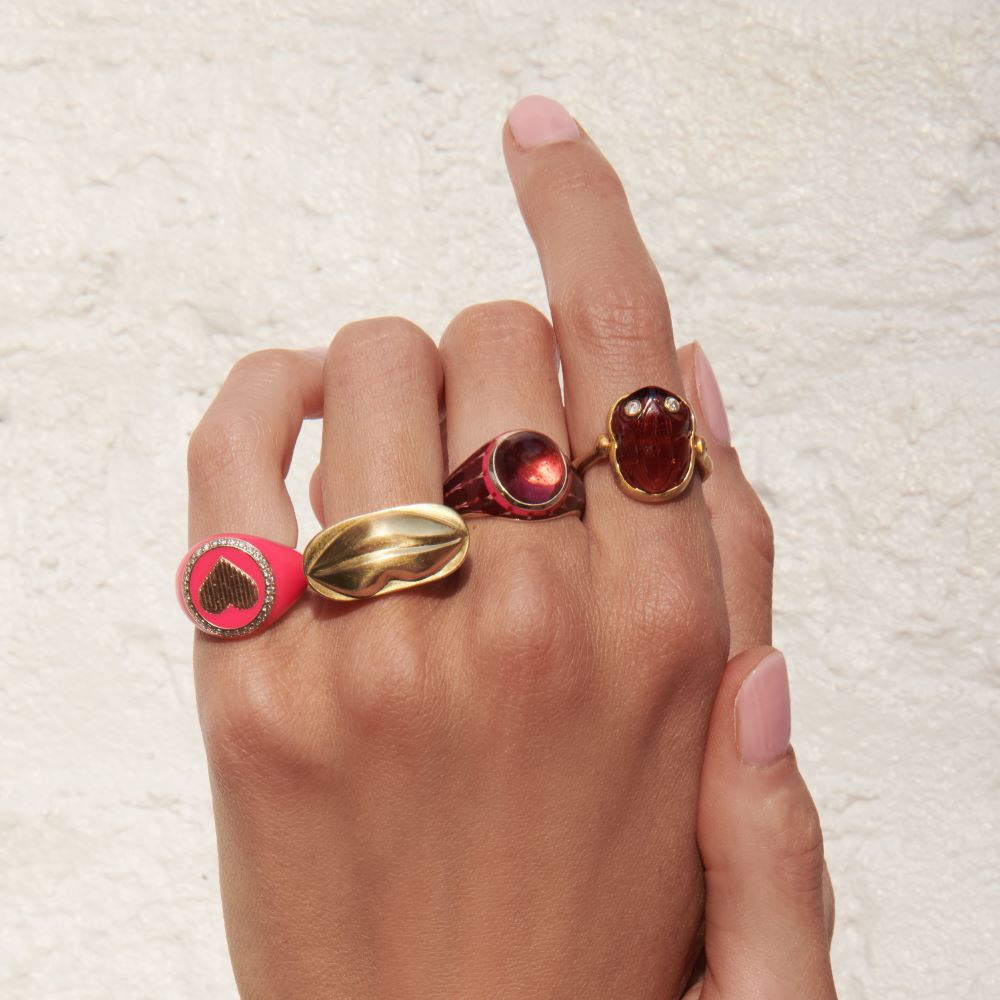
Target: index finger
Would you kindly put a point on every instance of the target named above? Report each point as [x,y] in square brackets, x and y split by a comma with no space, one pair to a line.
[608,304]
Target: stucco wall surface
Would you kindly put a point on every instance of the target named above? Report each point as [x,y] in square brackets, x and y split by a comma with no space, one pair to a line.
[183,182]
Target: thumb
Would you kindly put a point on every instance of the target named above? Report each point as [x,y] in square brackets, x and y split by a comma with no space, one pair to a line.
[766,906]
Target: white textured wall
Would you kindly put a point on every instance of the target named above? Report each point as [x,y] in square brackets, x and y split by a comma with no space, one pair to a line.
[183,182]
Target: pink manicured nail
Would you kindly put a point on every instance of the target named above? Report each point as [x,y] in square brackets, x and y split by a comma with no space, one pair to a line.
[536,120]
[711,397]
[763,713]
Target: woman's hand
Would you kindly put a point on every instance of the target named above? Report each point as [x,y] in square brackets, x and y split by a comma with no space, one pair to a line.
[486,786]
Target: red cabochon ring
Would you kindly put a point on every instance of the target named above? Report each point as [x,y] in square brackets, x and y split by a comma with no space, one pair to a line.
[234,585]
[520,474]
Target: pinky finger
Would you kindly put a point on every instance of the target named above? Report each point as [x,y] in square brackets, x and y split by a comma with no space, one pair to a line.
[740,522]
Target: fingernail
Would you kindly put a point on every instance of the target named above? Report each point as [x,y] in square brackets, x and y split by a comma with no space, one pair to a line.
[536,120]
[711,397]
[763,713]
[320,352]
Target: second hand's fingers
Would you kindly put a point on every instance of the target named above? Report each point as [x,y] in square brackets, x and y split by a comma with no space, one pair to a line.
[740,523]
[768,904]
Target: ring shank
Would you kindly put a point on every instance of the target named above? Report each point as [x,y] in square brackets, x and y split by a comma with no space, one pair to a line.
[600,451]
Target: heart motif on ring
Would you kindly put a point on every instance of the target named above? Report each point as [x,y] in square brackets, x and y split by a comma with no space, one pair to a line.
[227,586]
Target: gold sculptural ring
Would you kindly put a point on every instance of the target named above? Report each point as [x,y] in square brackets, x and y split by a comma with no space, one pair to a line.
[651,444]
[232,586]
[386,551]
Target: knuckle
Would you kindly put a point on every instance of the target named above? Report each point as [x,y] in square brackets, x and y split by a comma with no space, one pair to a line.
[755,525]
[508,319]
[226,439]
[512,335]
[389,694]
[681,635]
[530,628]
[676,601]
[273,364]
[566,181]
[795,838]
[385,342]
[254,735]
[829,902]
[229,435]
[616,312]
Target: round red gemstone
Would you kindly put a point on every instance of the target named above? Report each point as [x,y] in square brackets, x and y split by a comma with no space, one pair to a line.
[529,467]
[652,433]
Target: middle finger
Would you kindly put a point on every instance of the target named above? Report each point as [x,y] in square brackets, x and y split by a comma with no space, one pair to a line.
[500,373]
[381,436]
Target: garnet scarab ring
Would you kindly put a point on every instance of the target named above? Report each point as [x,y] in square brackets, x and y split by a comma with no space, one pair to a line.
[521,474]
[651,444]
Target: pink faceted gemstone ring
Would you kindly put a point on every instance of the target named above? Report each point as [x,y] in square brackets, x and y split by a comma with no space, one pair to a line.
[520,474]
[651,444]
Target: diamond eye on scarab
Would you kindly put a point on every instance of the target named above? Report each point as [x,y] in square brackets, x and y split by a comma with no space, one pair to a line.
[633,407]
[652,442]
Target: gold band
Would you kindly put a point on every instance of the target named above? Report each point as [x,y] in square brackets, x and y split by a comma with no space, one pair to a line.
[651,444]
[702,457]
[385,551]
[600,451]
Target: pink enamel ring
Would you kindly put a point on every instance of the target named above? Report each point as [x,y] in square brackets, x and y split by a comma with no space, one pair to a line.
[520,474]
[234,585]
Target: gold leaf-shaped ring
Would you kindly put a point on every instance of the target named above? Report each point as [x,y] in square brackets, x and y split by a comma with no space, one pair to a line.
[385,551]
